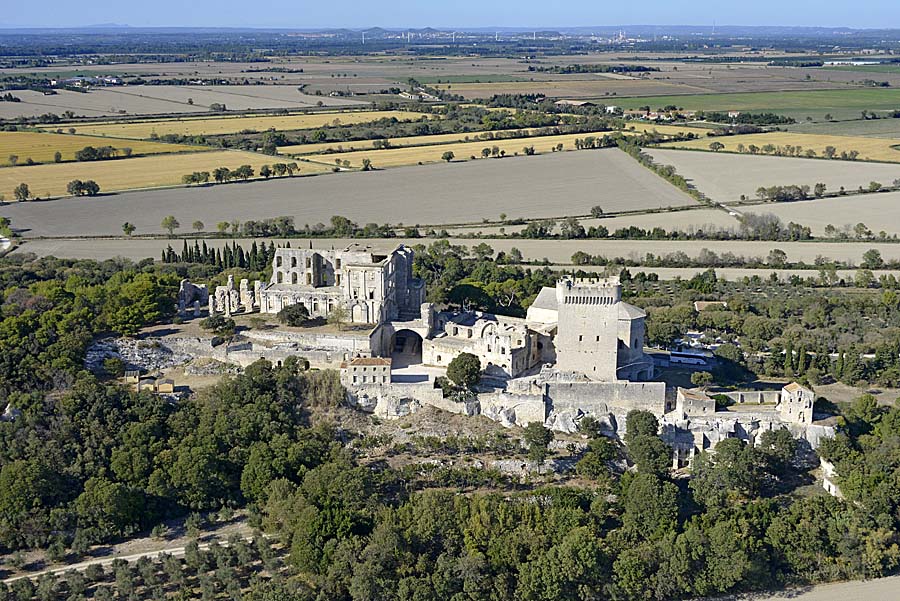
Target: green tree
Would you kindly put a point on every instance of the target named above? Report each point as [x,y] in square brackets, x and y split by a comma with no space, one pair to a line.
[21,192]
[640,423]
[294,315]
[701,378]
[170,224]
[338,316]
[465,370]
[198,225]
[650,507]
[128,228]
[448,156]
[538,439]
[108,508]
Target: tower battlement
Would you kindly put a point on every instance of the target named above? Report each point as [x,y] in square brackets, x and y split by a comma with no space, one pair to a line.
[588,291]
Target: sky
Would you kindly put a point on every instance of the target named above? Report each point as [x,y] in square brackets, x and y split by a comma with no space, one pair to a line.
[453,14]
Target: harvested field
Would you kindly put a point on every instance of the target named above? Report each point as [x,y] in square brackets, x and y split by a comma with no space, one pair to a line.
[558,252]
[870,128]
[210,126]
[869,149]
[725,177]
[464,151]
[40,147]
[520,187]
[841,103]
[367,145]
[880,212]
[125,174]
[683,221]
[157,100]
[590,87]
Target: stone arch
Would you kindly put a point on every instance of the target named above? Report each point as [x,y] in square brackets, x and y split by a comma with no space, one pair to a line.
[359,313]
[406,348]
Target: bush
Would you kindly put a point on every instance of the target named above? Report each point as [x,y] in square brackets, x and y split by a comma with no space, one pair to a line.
[294,315]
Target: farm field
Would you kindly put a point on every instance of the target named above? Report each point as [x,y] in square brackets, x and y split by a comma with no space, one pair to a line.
[595,87]
[361,145]
[841,103]
[880,212]
[229,125]
[141,172]
[543,186]
[413,155]
[869,149]
[725,176]
[558,252]
[684,221]
[871,128]
[41,147]
[154,100]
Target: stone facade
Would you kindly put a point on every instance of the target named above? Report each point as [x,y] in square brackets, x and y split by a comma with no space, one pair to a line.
[373,288]
[506,346]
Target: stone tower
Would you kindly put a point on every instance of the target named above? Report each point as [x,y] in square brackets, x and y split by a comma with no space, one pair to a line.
[587,337]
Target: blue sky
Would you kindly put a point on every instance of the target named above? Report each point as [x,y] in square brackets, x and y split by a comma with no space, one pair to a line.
[456,13]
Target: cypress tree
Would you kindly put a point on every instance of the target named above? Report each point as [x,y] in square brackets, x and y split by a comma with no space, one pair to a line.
[801,361]
[839,366]
[789,359]
[185,255]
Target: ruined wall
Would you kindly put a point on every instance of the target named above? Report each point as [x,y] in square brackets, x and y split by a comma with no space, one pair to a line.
[623,395]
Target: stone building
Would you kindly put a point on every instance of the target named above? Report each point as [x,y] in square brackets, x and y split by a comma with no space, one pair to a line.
[372,287]
[506,346]
[596,333]
[366,371]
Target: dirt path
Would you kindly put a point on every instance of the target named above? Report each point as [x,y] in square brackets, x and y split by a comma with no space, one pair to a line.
[866,590]
[134,550]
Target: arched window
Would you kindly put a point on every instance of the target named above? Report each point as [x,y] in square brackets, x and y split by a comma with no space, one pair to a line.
[293,261]
[280,276]
[277,261]
[293,278]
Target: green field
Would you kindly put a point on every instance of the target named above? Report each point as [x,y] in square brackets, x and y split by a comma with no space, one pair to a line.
[841,104]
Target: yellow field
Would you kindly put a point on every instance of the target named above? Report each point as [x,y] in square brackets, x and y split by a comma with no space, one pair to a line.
[126,174]
[395,142]
[669,130]
[412,155]
[360,145]
[193,126]
[396,157]
[873,149]
[40,147]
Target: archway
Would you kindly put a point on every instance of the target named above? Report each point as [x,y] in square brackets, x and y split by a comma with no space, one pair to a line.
[406,349]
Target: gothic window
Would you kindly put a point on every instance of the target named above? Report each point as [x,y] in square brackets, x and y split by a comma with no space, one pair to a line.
[293,261]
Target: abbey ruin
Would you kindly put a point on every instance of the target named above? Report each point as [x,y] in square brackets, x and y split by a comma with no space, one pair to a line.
[579,351]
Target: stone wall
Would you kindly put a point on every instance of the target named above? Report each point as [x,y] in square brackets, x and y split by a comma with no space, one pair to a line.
[624,395]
